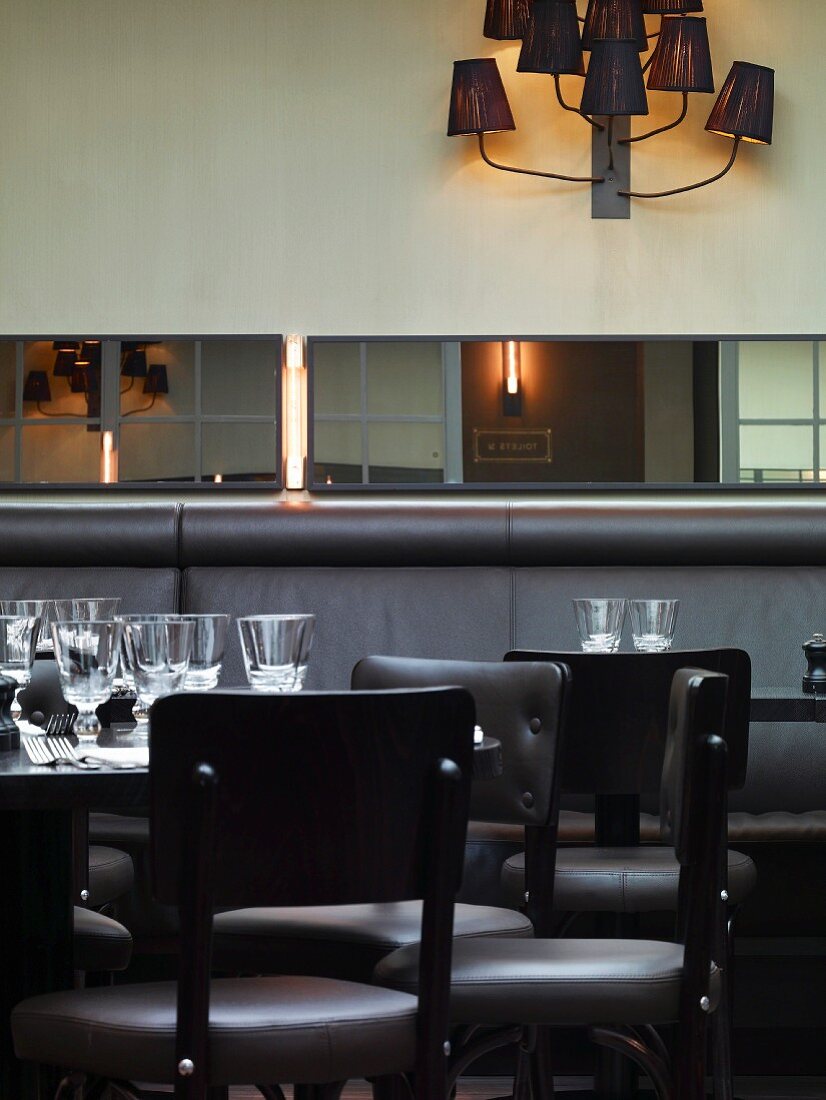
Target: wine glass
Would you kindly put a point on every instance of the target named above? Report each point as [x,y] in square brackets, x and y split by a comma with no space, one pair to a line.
[87,654]
[159,651]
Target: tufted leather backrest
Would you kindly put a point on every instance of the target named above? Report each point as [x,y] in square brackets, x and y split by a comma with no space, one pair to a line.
[521,705]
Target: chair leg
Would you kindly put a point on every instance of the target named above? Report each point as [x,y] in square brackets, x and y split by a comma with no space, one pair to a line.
[271,1092]
[722,1023]
[391,1088]
[633,1047]
[542,1074]
[331,1091]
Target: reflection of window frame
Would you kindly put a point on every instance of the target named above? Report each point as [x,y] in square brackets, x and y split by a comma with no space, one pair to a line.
[111,418]
[732,422]
[450,420]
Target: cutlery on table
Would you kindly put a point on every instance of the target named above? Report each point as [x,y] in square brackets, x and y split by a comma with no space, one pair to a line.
[61,746]
[40,752]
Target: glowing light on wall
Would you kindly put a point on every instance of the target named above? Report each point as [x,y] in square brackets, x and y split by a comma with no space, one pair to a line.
[511,378]
[294,419]
[108,459]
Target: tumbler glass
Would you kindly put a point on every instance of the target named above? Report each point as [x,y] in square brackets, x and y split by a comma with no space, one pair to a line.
[18,640]
[276,649]
[87,608]
[159,655]
[652,624]
[86,652]
[27,609]
[208,643]
[599,622]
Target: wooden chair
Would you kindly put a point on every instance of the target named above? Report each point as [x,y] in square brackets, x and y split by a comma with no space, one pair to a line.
[284,800]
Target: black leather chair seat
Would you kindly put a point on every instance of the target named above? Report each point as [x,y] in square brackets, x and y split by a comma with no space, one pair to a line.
[621,880]
[260,1030]
[345,941]
[554,981]
[121,829]
[100,943]
[111,874]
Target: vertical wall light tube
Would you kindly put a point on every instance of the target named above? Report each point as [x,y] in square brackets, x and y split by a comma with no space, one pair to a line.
[511,378]
[293,405]
[108,459]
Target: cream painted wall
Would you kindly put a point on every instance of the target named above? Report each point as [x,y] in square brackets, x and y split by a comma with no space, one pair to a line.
[270,165]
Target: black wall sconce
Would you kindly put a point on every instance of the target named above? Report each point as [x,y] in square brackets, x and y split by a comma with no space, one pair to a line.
[615,35]
[156,382]
[511,378]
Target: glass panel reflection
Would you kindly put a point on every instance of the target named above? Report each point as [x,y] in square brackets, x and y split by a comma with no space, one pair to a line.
[238,377]
[775,380]
[156,452]
[8,371]
[337,453]
[404,379]
[60,453]
[6,454]
[337,378]
[162,383]
[238,452]
[404,452]
[61,378]
[776,452]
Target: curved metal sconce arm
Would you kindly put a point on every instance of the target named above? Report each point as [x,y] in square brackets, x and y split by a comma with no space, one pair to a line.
[691,187]
[143,408]
[576,110]
[660,129]
[530,172]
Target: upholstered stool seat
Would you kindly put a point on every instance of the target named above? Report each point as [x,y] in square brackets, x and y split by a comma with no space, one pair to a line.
[555,981]
[111,874]
[100,943]
[621,880]
[345,941]
[260,1029]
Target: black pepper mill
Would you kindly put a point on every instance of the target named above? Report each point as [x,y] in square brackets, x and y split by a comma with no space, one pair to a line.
[9,733]
[814,680]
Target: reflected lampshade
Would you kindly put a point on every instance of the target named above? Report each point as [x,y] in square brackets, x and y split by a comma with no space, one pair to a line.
[552,42]
[745,105]
[156,379]
[478,103]
[65,345]
[64,363]
[614,84]
[134,364]
[682,60]
[620,19]
[79,381]
[671,7]
[90,352]
[506,20]
[36,387]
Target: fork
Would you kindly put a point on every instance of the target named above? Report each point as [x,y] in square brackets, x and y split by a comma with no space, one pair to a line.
[59,724]
[39,751]
[63,747]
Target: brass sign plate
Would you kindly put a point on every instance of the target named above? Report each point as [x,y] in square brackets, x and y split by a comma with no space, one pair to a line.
[512,446]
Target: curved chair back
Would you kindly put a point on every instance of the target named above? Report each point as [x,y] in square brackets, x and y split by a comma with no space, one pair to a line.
[618,712]
[520,705]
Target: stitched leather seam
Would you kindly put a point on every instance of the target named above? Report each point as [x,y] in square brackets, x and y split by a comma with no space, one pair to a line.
[263,1029]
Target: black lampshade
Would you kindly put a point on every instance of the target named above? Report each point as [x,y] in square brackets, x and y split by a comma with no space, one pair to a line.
[614,84]
[745,105]
[36,386]
[552,43]
[90,352]
[64,363]
[156,380]
[614,19]
[79,382]
[65,345]
[134,364]
[671,7]
[478,103]
[682,59]
[506,19]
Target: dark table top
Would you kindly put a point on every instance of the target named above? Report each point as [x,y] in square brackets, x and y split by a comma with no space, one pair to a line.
[786,704]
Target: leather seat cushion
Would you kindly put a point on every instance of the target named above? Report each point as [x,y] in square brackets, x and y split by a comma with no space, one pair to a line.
[345,941]
[111,874]
[119,829]
[100,943]
[553,981]
[621,880]
[260,1029]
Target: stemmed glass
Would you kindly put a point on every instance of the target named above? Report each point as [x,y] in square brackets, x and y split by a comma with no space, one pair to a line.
[276,650]
[86,653]
[18,639]
[140,711]
[158,653]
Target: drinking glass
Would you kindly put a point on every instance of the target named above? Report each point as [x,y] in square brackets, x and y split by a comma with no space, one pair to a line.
[86,652]
[87,609]
[140,712]
[599,622]
[42,609]
[276,649]
[159,652]
[18,639]
[652,624]
[208,643]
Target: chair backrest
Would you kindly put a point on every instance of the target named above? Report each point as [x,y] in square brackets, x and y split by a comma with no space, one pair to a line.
[520,705]
[618,712]
[334,791]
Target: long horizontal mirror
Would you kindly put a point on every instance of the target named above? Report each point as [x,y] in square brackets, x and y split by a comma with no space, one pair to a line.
[428,412]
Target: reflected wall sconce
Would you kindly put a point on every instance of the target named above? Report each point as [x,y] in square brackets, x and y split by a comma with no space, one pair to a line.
[293,407]
[133,363]
[511,378]
[615,36]
[84,379]
[156,382]
[65,359]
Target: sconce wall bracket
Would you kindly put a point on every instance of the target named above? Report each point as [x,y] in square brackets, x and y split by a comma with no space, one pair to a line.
[605,200]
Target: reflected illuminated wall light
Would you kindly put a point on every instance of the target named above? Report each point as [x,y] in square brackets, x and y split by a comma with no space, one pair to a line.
[554,41]
[295,463]
[511,378]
